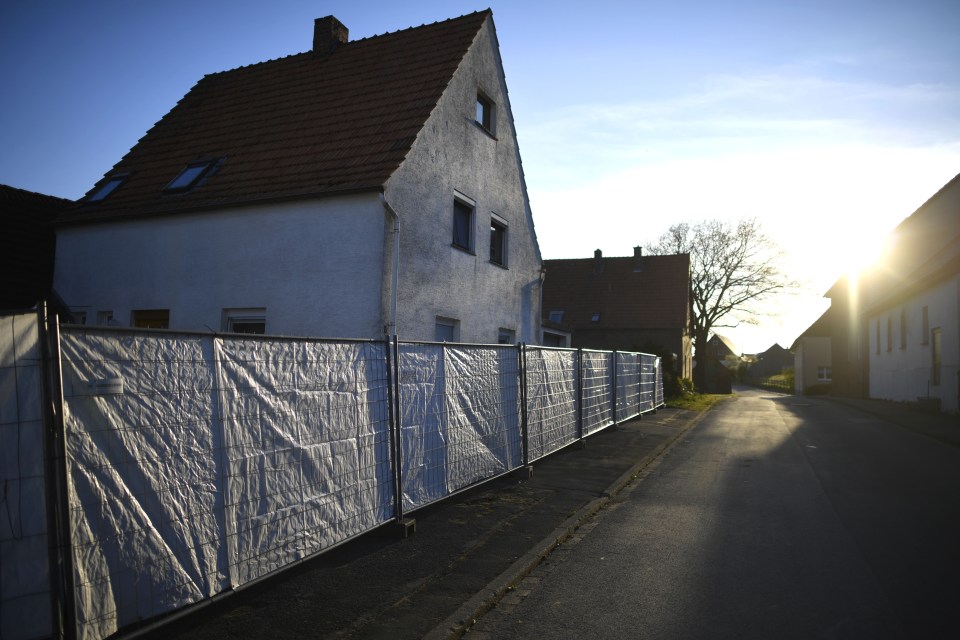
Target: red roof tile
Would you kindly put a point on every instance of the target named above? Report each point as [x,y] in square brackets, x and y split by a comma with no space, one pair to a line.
[655,297]
[307,124]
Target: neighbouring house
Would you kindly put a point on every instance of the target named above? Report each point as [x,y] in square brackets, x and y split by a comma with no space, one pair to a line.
[812,358]
[897,333]
[771,362]
[636,303]
[723,350]
[362,188]
[27,246]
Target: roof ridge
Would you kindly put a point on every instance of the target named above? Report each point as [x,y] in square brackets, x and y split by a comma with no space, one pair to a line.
[348,43]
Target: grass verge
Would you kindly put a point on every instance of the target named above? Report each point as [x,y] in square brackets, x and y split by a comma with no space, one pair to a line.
[697,401]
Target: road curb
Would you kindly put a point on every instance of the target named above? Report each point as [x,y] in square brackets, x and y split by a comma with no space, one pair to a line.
[488,597]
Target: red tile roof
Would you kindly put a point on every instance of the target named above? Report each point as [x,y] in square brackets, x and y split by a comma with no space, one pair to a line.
[304,125]
[656,297]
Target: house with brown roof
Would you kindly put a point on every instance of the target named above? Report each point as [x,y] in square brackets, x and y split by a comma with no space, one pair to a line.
[636,303]
[897,329]
[359,189]
[27,246]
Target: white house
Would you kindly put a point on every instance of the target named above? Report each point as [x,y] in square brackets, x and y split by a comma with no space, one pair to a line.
[363,188]
[812,357]
[911,305]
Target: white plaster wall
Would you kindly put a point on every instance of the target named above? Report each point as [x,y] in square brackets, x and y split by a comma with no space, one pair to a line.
[811,354]
[453,153]
[315,265]
[904,374]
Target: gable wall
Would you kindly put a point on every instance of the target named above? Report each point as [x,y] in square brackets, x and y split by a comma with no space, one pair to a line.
[453,153]
[295,259]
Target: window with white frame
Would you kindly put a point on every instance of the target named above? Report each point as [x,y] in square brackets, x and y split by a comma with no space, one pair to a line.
[824,374]
[105,318]
[250,320]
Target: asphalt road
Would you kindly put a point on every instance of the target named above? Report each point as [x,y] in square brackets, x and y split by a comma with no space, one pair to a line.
[776,517]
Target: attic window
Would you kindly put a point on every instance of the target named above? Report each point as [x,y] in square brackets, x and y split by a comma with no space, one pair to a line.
[190,176]
[556,316]
[485,111]
[108,187]
[595,317]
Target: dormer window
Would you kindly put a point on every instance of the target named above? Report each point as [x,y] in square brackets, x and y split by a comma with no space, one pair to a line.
[190,176]
[485,113]
[108,187]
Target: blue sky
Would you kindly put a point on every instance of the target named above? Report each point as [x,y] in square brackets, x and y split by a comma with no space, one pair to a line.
[827,121]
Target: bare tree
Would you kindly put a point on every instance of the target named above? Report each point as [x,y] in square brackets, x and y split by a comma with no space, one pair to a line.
[732,268]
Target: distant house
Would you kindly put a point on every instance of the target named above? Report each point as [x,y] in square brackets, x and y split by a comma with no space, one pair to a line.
[771,362]
[902,337]
[812,356]
[363,188]
[723,350]
[27,246]
[626,303]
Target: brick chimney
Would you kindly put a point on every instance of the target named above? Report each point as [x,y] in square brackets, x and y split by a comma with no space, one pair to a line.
[597,261]
[638,259]
[328,34]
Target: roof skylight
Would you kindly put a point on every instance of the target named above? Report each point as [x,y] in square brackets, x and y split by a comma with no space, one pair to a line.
[108,187]
[190,176]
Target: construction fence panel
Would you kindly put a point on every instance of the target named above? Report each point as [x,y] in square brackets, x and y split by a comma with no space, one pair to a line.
[658,384]
[25,589]
[552,404]
[459,417]
[145,471]
[628,368]
[308,461]
[648,382]
[596,378]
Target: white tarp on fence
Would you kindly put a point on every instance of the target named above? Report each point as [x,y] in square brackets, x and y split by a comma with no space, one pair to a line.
[459,418]
[552,409]
[198,463]
[308,442]
[596,370]
[24,575]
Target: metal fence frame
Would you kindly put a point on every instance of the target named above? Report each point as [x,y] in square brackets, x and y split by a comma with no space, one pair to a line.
[487,410]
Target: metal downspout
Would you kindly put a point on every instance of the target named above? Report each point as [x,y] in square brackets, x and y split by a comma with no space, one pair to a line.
[394,285]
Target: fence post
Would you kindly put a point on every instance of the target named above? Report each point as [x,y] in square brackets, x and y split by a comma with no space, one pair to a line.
[393,399]
[579,394]
[613,393]
[63,603]
[524,431]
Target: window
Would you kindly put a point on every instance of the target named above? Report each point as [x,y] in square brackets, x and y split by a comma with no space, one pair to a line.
[151,318]
[485,113]
[79,317]
[191,176]
[447,330]
[108,187]
[551,339]
[889,333]
[595,317]
[506,336]
[937,356]
[498,242]
[245,320]
[903,327]
[556,316]
[462,225]
[824,374]
[105,318]
[925,335]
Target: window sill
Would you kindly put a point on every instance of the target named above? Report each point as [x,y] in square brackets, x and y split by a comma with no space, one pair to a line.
[482,128]
[463,249]
[502,266]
